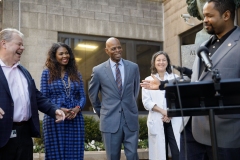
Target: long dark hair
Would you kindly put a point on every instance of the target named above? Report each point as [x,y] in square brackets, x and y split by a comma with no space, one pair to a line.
[54,67]
[154,56]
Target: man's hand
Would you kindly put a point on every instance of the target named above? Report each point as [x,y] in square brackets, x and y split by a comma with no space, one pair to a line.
[60,116]
[151,84]
[1,113]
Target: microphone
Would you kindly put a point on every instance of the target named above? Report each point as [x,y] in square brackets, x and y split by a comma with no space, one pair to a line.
[178,68]
[202,52]
[184,70]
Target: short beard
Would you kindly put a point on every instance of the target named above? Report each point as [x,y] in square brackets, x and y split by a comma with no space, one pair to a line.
[212,32]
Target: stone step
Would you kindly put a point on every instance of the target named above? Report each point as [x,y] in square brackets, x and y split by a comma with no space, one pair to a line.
[98,155]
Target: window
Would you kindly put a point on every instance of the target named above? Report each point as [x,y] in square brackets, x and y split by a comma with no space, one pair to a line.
[89,51]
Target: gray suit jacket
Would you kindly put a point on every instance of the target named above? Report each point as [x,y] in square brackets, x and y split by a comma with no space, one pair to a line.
[112,104]
[227,60]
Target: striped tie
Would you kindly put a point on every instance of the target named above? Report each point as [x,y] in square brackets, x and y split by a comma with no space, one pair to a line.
[118,79]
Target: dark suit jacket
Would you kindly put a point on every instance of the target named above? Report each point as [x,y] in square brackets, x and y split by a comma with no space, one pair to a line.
[226,60]
[37,102]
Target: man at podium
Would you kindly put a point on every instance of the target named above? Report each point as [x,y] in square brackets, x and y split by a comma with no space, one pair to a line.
[224,52]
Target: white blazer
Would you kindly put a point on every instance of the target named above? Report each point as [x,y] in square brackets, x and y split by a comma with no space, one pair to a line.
[156,137]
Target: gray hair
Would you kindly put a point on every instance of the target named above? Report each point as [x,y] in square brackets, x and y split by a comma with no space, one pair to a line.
[6,34]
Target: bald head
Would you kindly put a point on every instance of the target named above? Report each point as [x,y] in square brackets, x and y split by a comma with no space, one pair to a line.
[111,40]
[114,49]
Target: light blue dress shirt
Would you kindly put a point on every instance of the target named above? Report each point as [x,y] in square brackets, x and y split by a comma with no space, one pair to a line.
[121,68]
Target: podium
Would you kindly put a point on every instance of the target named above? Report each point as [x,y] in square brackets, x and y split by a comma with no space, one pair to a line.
[204,98]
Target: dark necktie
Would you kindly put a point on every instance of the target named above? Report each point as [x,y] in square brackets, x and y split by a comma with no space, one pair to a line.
[118,79]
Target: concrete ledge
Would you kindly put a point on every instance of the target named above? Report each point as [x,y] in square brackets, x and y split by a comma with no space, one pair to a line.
[97,155]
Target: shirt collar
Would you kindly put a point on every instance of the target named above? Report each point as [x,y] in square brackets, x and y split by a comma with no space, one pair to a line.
[165,75]
[214,38]
[113,63]
[223,38]
[4,65]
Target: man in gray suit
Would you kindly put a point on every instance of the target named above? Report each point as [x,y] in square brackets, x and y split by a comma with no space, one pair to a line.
[224,48]
[118,81]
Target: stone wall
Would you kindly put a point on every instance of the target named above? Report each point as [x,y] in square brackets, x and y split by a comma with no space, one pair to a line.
[1,13]
[174,25]
[41,20]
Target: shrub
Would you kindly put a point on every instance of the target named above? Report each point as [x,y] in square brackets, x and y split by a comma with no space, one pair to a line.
[92,131]
[94,146]
[93,138]
[143,130]
[143,143]
[38,144]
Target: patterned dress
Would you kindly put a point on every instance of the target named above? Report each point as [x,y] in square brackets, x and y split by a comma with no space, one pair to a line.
[65,140]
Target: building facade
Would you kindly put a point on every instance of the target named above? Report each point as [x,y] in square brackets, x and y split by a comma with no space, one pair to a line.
[143,27]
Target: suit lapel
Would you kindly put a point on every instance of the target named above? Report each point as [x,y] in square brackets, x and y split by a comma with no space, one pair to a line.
[4,82]
[109,74]
[224,49]
[127,70]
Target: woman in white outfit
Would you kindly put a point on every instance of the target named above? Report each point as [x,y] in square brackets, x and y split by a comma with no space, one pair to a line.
[162,130]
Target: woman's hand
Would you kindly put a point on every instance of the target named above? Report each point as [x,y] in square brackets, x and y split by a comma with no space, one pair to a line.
[75,112]
[160,110]
[166,119]
[68,113]
[164,112]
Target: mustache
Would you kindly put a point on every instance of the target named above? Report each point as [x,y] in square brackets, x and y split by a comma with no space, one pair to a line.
[206,24]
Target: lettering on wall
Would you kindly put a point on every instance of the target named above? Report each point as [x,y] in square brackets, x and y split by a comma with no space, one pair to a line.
[193,52]
[188,53]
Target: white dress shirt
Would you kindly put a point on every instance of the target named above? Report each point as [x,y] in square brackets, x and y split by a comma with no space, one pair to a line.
[18,87]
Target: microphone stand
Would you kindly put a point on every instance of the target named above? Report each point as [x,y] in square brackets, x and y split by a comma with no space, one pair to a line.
[216,80]
[181,79]
[181,76]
